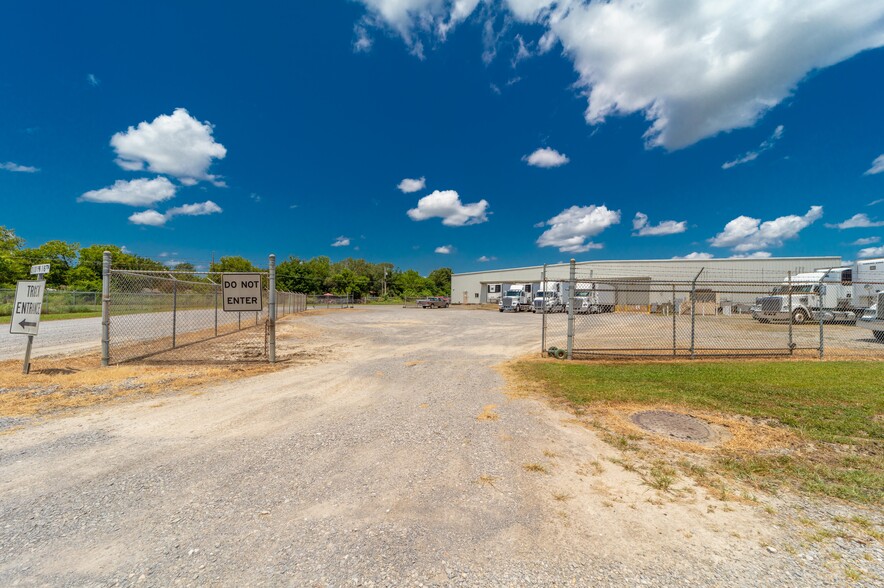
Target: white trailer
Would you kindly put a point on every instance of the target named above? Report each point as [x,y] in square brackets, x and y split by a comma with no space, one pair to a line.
[868,281]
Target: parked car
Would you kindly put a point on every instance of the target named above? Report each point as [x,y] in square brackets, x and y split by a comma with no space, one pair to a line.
[432,302]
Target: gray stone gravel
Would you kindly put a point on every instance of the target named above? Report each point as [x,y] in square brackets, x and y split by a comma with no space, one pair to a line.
[370,469]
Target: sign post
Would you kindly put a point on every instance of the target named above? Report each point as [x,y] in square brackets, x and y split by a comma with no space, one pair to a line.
[26,309]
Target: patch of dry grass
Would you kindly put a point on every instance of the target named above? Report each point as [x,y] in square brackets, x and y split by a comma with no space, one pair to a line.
[488,413]
[73,382]
[536,468]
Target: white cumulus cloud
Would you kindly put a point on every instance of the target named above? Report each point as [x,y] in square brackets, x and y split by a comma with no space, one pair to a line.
[693,69]
[486,258]
[151,218]
[409,185]
[546,157]
[446,205]
[156,219]
[141,192]
[871,252]
[14,167]
[444,249]
[857,221]
[866,241]
[755,255]
[176,145]
[411,18]
[766,145]
[643,229]
[695,255]
[745,234]
[877,166]
[572,229]
[341,241]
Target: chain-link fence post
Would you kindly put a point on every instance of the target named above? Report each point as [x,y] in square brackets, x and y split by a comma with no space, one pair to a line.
[821,289]
[543,287]
[105,308]
[271,318]
[674,314]
[572,286]
[694,311]
[174,311]
[215,290]
[791,344]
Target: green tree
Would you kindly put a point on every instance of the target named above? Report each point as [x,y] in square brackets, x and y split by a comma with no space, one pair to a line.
[10,257]
[348,282]
[61,257]
[232,264]
[441,281]
[411,284]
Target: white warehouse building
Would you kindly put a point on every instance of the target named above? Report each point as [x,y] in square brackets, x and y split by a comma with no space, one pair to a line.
[486,286]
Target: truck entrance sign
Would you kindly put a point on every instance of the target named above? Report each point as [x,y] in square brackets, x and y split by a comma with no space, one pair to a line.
[26,311]
[241,292]
[39,270]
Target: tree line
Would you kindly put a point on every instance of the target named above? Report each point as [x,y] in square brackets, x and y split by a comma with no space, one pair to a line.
[78,268]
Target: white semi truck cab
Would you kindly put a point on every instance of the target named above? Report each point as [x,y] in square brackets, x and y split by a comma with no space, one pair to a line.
[515,299]
[550,297]
[593,298]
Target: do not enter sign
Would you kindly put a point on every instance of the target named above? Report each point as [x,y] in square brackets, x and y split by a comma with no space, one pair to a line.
[241,292]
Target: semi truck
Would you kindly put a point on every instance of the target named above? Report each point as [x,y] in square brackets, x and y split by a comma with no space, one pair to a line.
[589,297]
[594,298]
[550,297]
[839,294]
[516,298]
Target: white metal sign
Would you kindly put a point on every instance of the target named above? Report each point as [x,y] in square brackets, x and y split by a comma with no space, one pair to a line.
[241,292]
[28,304]
[39,270]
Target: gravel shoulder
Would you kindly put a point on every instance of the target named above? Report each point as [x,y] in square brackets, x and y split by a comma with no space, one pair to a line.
[397,460]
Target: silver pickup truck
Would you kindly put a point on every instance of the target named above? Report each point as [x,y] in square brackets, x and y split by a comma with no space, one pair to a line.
[432,302]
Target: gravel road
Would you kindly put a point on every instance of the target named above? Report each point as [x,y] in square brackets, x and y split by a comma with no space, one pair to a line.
[370,469]
[56,337]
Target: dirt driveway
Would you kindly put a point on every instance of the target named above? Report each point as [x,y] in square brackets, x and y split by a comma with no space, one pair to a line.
[398,460]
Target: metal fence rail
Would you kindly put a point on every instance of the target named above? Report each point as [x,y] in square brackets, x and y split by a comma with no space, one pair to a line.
[700,315]
[169,317]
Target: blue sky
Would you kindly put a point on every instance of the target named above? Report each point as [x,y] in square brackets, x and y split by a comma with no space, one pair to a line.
[540,129]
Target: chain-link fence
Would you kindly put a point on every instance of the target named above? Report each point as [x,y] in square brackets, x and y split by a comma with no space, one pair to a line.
[179,317]
[707,314]
[56,301]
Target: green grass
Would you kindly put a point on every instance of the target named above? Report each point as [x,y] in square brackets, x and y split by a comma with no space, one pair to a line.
[824,403]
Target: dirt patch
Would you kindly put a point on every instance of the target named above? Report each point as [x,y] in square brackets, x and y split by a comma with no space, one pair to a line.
[65,382]
[488,413]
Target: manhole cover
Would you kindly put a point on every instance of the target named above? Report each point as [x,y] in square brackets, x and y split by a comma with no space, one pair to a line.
[673,424]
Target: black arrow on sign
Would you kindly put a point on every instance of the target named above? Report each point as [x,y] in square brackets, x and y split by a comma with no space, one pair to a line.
[25,323]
